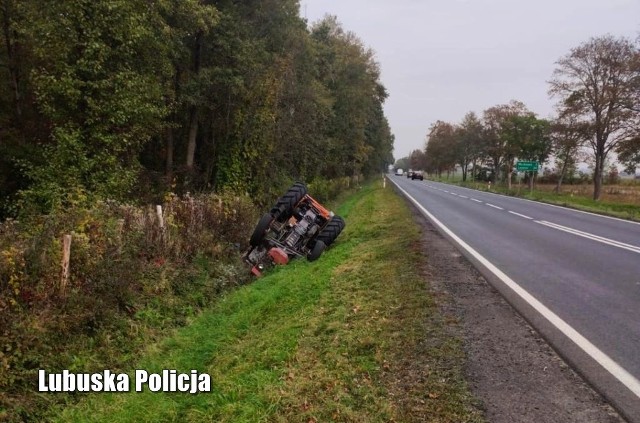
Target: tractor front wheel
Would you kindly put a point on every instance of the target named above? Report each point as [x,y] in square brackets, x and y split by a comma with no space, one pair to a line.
[331,231]
[261,229]
[316,251]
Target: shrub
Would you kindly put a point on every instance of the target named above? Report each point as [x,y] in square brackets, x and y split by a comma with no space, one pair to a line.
[130,279]
[124,268]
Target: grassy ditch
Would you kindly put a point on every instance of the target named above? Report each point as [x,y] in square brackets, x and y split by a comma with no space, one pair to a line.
[354,336]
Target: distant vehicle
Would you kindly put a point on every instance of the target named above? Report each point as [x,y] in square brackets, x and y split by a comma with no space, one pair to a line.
[399,172]
[417,174]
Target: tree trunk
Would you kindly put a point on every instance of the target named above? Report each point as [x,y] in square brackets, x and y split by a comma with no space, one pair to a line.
[598,171]
[597,177]
[562,172]
[169,158]
[193,113]
[14,73]
[531,176]
[193,133]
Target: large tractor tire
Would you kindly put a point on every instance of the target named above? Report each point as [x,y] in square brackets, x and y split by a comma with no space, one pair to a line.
[330,232]
[316,251]
[261,229]
[286,204]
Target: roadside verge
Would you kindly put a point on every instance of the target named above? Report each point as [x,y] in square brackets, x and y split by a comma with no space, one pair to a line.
[354,336]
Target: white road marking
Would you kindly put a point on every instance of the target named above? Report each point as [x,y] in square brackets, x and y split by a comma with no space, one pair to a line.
[629,247]
[521,215]
[554,205]
[617,371]
[476,200]
[495,207]
[453,193]
[462,196]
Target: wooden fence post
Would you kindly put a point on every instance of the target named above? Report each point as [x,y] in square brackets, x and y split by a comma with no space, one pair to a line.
[119,233]
[160,218]
[66,257]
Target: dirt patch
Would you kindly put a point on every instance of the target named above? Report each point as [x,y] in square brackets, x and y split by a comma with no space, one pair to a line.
[514,373]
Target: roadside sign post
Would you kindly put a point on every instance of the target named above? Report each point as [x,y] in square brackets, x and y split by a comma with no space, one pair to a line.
[528,166]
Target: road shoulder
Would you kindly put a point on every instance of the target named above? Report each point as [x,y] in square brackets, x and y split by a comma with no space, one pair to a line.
[514,373]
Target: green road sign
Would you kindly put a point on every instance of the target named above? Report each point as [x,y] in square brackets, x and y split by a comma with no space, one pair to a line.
[527,166]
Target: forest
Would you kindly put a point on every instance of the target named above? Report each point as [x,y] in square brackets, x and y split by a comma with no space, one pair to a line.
[138,141]
[129,100]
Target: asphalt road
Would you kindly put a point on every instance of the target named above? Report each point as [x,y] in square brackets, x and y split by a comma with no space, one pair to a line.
[575,276]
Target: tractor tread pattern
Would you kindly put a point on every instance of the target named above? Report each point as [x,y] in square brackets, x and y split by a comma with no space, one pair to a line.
[290,199]
[330,232]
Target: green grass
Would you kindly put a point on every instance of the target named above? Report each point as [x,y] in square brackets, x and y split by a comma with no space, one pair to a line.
[354,336]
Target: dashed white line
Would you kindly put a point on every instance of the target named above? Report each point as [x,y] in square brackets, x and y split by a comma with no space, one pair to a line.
[521,215]
[476,200]
[495,207]
[462,196]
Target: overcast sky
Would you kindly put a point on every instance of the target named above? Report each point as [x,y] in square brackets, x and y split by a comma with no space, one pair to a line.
[443,58]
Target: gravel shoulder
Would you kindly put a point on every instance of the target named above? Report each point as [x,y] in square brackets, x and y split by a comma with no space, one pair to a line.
[514,373]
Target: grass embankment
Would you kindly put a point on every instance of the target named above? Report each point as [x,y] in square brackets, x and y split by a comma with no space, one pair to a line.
[622,200]
[333,340]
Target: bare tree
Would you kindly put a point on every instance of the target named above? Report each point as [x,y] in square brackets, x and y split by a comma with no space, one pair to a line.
[596,85]
[568,137]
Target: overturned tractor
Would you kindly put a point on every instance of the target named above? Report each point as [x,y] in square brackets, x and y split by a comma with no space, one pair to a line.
[297,226]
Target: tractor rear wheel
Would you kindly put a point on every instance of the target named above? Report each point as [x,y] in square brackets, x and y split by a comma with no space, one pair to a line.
[285,205]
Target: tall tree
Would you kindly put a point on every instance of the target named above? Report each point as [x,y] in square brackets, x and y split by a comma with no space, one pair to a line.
[97,84]
[187,23]
[527,138]
[469,143]
[596,84]
[496,143]
[351,75]
[417,160]
[440,154]
[568,137]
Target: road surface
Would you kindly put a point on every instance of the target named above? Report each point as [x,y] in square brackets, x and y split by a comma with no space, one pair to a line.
[575,276]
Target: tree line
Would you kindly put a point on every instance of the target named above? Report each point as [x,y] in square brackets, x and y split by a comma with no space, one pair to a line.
[127,99]
[597,88]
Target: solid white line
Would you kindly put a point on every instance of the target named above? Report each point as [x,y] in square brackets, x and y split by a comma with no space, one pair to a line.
[593,237]
[617,371]
[476,200]
[495,207]
[521,215]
